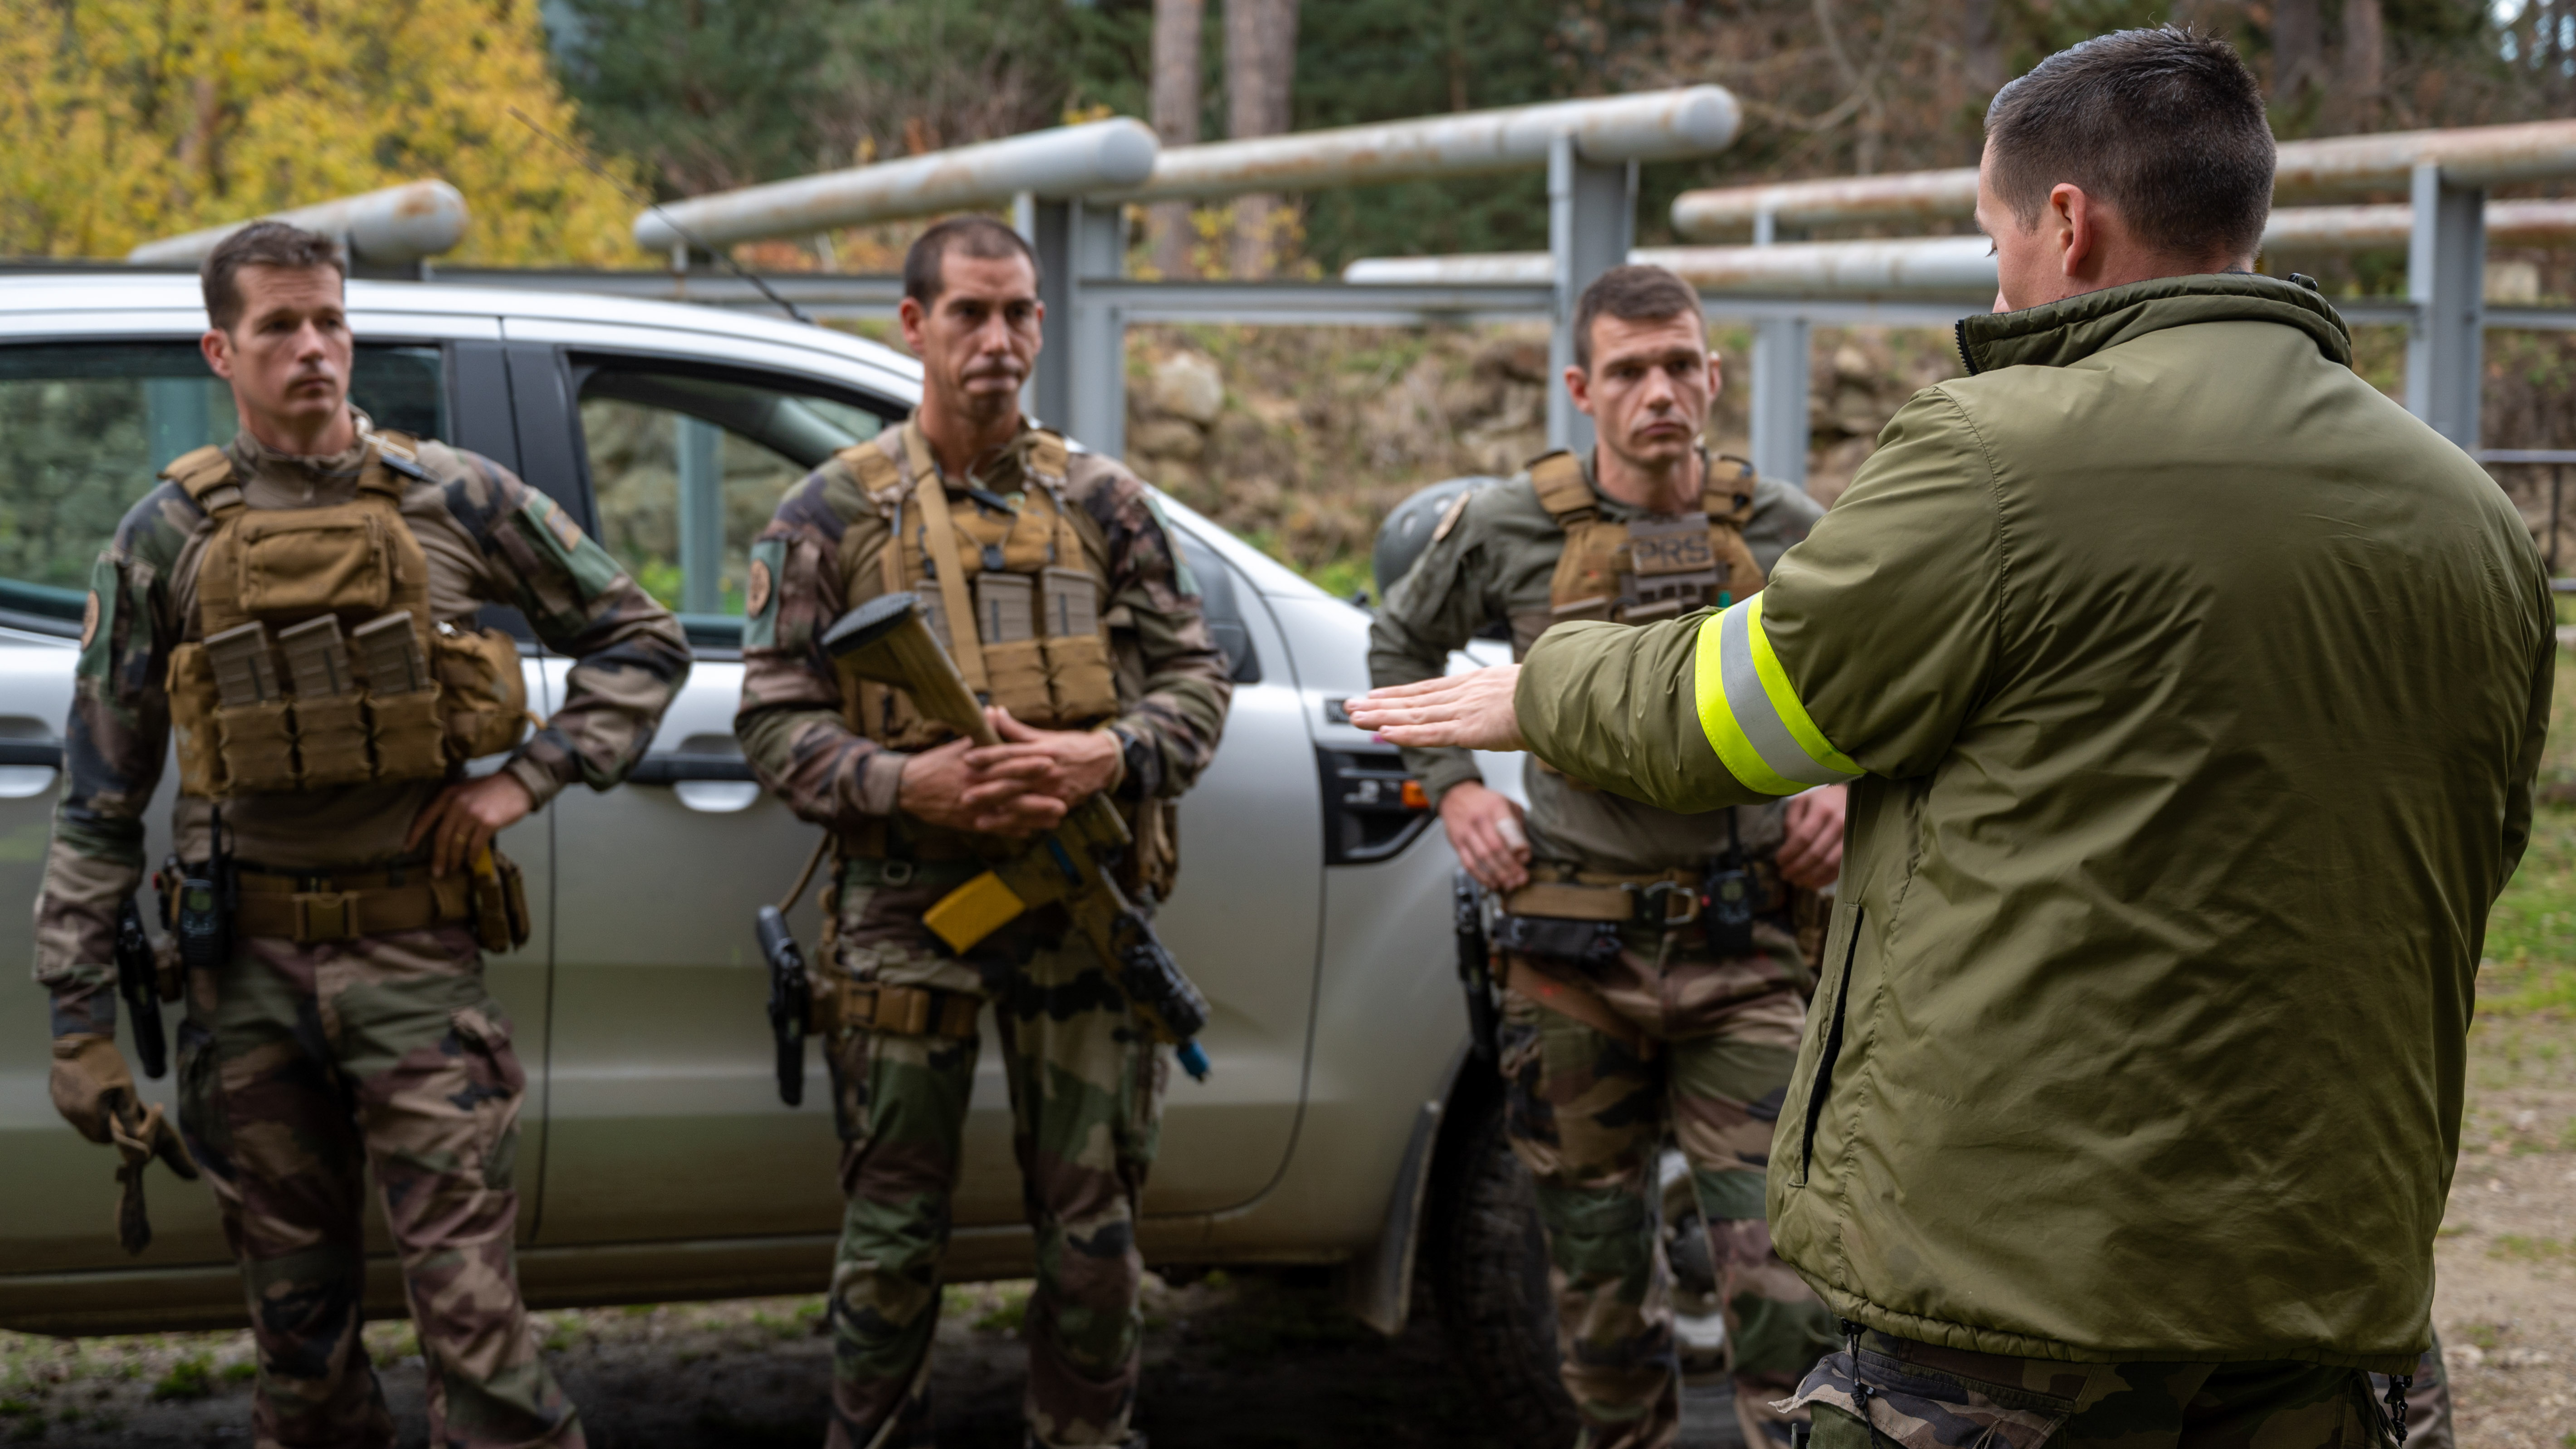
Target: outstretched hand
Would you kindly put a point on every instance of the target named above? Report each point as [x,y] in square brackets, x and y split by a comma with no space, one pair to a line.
[1471,711]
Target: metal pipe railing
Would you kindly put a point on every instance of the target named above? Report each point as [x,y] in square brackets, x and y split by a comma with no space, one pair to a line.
[1062,161]
[397,224]
[2476,156]
[1940,266]
[1912,266]
[1650,126]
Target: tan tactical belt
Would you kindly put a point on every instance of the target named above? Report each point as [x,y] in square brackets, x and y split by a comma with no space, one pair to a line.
[900,1010]
[1668,898]
[309,908]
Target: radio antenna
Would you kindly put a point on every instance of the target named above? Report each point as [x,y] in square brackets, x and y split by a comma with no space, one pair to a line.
[591,164]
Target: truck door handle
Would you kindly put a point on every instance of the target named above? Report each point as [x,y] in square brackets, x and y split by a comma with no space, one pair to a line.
[676,766]
[27,766]
[710,783]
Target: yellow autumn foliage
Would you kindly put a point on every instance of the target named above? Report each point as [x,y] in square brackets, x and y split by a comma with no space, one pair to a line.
[125,120]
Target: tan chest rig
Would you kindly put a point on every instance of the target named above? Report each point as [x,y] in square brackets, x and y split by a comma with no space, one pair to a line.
[312,660]
[1646,570]
[1650,568]
[1028,586]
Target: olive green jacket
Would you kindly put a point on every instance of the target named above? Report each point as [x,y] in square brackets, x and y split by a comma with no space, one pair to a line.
[2199,692]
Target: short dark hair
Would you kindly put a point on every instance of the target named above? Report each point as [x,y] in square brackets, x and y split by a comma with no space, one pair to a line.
[261,244]
[976,236]
[2166,125]
[1631,294]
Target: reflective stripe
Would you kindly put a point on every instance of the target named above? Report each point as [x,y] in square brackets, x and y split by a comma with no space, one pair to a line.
[1752,718]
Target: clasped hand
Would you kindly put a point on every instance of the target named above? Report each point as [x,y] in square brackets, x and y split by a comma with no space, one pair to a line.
[1016,788]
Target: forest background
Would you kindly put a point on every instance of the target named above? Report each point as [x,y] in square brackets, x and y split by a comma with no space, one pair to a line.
[122,120]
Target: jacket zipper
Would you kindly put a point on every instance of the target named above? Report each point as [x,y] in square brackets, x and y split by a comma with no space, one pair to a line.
[1967,359]
[1833,1049]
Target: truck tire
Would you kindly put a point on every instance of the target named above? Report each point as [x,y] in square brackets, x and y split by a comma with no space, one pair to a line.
[1488,1264]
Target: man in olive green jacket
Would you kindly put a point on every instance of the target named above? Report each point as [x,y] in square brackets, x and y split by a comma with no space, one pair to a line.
[2192,694]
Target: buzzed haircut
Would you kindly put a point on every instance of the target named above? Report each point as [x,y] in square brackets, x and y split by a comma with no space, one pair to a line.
[1631,294]
[974,236]
[261,244]
[2165,125]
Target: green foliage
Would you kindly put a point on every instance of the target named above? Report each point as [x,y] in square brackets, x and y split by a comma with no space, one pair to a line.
[190,1378]
[1010,1311]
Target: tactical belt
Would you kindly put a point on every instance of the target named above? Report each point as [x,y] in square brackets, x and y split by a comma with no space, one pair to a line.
[871,871]
[309,908]
[1669,899]
[900,1010]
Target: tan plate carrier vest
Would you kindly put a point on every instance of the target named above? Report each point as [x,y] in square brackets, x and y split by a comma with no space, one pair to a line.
[1028,587]
[1650,568]
[1031,587]
[359,563]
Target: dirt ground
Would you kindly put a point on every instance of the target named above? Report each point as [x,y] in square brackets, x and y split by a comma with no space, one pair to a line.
[2506,1295]
[1269,1361]
[1266,1361]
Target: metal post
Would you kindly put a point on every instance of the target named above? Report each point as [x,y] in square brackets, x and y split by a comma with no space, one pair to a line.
[702,540]
[1591,224]
[1781,348]
[1096,343]
[2446,279]
[1080,382]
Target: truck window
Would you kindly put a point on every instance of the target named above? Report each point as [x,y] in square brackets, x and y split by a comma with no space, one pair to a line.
[86,426]
[687,467]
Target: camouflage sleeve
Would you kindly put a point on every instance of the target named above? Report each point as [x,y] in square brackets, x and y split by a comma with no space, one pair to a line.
[1171,729]
[630,657]
[790,721]
[1432,611]
[113,746]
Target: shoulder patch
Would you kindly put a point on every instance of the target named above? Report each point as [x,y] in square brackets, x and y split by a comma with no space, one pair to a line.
[760,593]
[1449,517]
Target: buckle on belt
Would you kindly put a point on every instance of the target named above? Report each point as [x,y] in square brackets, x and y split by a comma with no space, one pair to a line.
[325,915]
[1655,903]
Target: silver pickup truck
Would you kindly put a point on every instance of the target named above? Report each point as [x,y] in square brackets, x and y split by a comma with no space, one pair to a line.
[1344,1123]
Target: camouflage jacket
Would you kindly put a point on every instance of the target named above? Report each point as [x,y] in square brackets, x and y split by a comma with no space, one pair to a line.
[1491,565]
[490,539]
[1173,685]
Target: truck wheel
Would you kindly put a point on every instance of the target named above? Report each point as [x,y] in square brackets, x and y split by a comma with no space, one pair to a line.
[1488,1262]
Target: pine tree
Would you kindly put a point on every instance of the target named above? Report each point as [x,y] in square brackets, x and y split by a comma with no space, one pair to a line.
[124,120]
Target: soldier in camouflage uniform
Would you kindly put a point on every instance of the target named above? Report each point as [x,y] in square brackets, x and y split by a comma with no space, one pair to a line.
[911,809]
[312,1054]
[1648,1025]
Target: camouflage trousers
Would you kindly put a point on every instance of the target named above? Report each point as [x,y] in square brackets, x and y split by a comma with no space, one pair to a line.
[1086,1091]
[1920,1396]
[1588,1113]
[302,1067]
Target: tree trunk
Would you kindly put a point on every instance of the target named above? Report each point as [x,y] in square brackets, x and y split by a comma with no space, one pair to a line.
[1176,121]
[1982,46]
[1260,63]
[2298,48]
[2365,60]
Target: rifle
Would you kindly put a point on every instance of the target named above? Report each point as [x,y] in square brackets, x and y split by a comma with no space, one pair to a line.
[138,980]
[886,640]
[1476,968]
